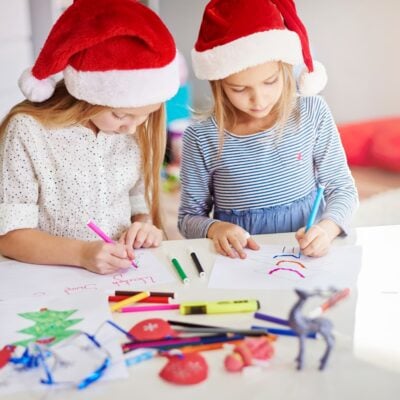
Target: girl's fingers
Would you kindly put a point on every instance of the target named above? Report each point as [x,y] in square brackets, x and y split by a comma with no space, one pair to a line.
[117,263]
[140,239]
[226,247]
[150,240]
[131,253]
[309,237]
[237,245]
[252,244]
[300,233]
[122,238]
[132,234]
[218,247]
[118,250]
[318,247]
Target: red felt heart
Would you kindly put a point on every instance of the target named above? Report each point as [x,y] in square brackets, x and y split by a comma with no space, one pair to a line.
[186,369]
[5,355]
[152,329]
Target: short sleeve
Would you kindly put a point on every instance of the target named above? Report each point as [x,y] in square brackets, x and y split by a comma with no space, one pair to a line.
[18,183]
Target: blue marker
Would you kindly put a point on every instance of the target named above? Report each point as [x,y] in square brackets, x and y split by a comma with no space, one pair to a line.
[315,207]
[285,332]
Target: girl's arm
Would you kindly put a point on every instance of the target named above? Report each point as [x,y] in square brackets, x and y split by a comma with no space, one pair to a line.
[37,247]
[196,198]
[333,172]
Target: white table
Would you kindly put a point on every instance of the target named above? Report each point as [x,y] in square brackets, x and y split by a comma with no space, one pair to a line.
[365,363]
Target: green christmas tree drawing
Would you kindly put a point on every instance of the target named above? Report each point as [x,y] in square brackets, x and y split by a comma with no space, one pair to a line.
[51,326]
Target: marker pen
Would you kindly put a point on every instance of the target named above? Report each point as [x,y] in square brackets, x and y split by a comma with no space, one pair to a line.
[179,269]
[196,262]
[219,307]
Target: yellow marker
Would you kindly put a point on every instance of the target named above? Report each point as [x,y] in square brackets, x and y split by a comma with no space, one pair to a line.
[130,300]
[219,307]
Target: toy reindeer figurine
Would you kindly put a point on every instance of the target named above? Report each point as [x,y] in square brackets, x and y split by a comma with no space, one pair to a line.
[303,326]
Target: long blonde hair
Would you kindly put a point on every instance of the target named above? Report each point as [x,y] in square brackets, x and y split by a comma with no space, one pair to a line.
[63,110]
[223,110]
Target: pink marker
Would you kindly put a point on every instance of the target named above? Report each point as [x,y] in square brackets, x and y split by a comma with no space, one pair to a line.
[161,307]
[101,234]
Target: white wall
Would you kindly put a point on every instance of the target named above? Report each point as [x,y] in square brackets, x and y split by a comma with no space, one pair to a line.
[357,41]
[15,50]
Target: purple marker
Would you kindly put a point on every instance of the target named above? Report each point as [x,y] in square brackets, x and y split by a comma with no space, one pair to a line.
[101,234]
[269,318]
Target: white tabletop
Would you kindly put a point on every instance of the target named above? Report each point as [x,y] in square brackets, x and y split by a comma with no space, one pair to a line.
[365,363]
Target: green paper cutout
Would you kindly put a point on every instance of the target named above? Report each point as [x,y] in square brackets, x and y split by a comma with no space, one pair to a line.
[51,326]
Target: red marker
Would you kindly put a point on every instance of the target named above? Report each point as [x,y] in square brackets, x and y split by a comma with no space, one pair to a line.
[342,294]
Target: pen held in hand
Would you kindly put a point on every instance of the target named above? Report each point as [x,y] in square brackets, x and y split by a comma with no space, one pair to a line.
[101,234]
[315,207]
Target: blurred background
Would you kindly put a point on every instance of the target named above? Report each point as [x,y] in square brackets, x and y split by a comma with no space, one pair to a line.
[356,40]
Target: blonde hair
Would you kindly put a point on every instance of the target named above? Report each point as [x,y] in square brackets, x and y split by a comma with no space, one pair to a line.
[223,110]
[63,110]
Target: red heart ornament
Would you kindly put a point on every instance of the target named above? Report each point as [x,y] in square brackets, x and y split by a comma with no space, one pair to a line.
[152,329]
[5,355]
[186,369]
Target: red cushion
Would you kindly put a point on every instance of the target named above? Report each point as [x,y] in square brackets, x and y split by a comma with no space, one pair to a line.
[385,149]
[357,139]
[372,143]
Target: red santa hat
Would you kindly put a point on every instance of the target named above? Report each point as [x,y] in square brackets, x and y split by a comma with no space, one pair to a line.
[116,53]
[235,35]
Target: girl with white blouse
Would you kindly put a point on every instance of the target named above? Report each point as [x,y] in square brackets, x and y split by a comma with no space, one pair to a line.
[90,146]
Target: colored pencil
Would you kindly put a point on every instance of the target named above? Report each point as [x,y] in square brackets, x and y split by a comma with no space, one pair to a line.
[315,207]
[192,327]
[245,332]
[152,294]
[160,307]
[269,318]
[150,299]
[284,332]
[129,300]
[179,342]
[207,347]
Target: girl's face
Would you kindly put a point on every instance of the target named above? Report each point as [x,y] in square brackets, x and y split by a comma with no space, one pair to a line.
[255,91]
[123,120]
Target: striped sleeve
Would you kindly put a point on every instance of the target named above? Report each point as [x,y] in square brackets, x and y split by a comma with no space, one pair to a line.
[333,172]
[196,195]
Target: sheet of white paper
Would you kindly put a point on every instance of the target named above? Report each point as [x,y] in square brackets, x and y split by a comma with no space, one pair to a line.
[92,310]
[20,279]
[276,267]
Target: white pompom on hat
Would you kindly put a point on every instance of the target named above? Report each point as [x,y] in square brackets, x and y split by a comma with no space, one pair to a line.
[235,35]
[116,53]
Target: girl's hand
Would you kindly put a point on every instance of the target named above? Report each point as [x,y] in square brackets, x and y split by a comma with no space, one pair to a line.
[104,258]
[316,242]
[141,234]
[230,239]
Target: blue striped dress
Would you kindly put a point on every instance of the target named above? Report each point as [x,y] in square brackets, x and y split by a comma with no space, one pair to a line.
[266,182]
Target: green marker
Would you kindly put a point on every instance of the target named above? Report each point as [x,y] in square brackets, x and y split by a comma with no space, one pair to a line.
[179,269]
[219,307]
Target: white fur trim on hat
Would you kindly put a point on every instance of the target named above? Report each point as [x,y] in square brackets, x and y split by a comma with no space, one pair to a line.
[245,52]
[34,89]
[312,83]
[124,88]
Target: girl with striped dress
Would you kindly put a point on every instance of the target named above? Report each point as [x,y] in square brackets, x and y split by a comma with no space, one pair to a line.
[255,164]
